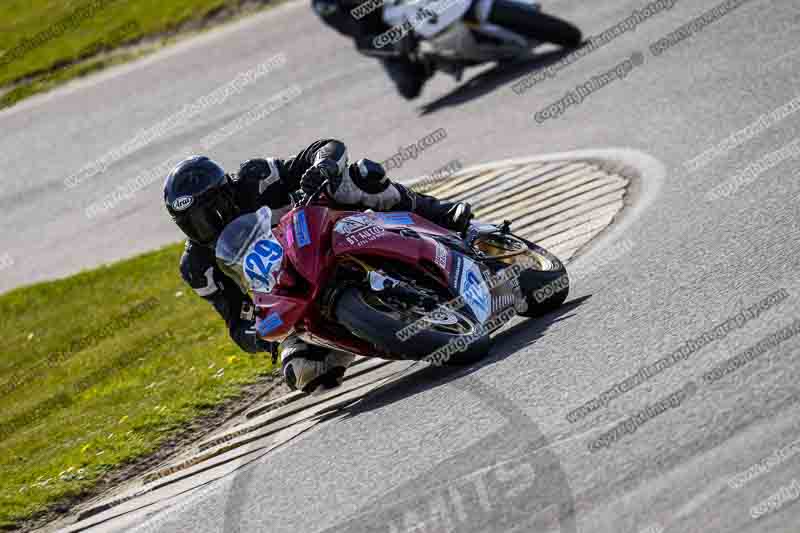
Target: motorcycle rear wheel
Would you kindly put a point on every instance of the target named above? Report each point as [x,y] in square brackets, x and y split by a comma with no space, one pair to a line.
[534,24]
[368,317]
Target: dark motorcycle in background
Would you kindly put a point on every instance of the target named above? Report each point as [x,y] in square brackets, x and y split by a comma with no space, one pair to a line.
[451,35]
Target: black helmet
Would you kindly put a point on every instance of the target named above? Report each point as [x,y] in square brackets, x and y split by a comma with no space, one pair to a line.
[199,200]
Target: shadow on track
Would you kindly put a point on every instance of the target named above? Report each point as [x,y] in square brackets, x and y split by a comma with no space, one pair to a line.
[504,344]
[487,81]
[508,479]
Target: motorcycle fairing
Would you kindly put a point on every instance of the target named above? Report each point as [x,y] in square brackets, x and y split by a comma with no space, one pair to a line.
[277,314]
[304,227]
[398,235]
[468,281]
[297,230]
[390,236]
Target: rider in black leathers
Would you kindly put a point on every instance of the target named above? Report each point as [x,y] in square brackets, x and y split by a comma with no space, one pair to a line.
[202,200]
[407,73]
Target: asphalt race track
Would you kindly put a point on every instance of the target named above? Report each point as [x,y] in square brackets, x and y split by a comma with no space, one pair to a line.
[502,446]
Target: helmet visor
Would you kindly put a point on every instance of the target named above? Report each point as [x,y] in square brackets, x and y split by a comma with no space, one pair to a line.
[200,225]
[204,222]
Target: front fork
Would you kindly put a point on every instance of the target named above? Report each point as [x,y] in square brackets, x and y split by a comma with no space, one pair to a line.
[505,263]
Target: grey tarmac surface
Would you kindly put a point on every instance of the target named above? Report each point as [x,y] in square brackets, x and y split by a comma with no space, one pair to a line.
[694,264]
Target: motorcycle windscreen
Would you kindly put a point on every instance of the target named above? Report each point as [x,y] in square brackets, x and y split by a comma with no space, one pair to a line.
[249,253]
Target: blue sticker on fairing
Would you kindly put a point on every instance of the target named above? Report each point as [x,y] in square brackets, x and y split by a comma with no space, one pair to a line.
[473,289]
[476,294]
[269,324]
[301,229]
[397,218]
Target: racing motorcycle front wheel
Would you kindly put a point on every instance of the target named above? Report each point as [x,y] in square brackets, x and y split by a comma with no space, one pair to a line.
[544,281]
[442,337]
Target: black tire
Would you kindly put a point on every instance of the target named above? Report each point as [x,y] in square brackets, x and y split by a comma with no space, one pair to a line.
[380,329]
[534,24]
[545,290]
[554,30]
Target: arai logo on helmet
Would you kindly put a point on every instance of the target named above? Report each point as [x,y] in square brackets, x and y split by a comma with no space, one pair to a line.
[182,203]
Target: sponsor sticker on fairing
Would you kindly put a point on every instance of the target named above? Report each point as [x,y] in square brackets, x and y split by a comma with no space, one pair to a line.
[301,229]
[441,255]
[365,236]
[352,224]
[268,325]
[399,219]
[473,288]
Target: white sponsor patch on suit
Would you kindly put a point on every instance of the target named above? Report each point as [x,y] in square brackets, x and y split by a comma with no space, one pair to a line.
[274,175]
[211,285]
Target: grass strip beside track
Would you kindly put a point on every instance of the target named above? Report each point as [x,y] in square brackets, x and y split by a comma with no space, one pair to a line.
[45,42]
[99,369]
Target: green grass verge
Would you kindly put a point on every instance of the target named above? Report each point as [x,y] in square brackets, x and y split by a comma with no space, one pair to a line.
[41,40]
[99,369]
[46,82]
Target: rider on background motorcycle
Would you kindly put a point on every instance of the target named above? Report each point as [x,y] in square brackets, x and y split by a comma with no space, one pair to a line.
[408,72]
[202,199]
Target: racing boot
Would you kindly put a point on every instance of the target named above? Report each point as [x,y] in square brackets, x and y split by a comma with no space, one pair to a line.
[454,216]
[310,368]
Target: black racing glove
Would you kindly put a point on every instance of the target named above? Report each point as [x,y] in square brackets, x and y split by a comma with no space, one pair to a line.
[315,176]
[458,217]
